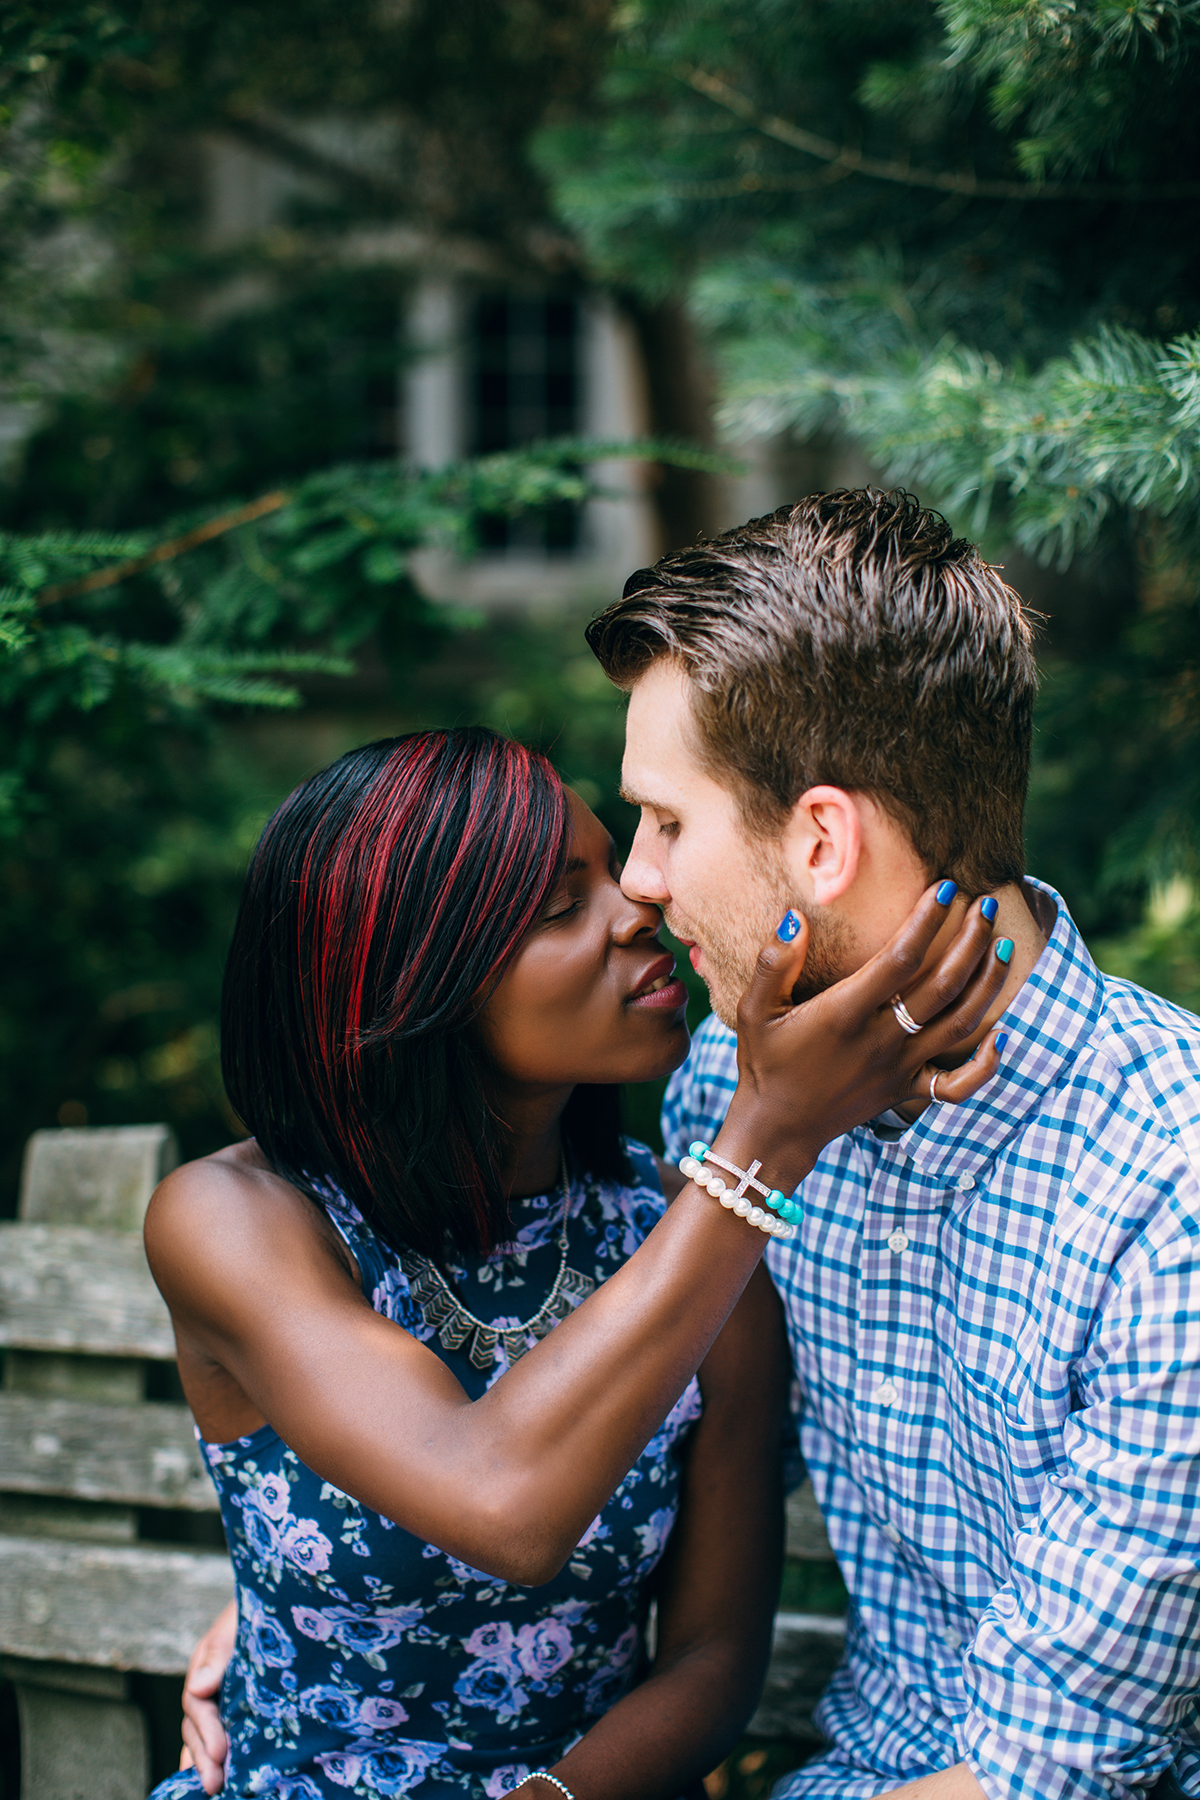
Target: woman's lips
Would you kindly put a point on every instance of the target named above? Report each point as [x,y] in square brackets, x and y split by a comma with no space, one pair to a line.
[671,997]
[659,987]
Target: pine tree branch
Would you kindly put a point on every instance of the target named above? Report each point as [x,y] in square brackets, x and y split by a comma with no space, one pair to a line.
[945,181]
[133,565]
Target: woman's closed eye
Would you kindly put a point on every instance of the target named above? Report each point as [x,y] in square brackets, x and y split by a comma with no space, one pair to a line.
[561,907]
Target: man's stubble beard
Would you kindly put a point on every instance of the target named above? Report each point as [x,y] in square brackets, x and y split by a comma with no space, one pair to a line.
[732,941]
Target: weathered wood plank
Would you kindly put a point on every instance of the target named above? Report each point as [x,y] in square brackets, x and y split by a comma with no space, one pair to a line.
[74,1747]
[105,1606]
[80,1521]
[101,1175]
[805,1650]
[140,1455]
[66,1287]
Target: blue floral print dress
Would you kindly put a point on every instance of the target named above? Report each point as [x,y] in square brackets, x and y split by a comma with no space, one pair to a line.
[370,1663]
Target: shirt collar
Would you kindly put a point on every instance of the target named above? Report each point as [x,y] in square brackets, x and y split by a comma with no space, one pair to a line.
[1048,1022]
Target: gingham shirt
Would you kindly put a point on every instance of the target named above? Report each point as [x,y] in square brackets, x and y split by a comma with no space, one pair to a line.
[995,1321]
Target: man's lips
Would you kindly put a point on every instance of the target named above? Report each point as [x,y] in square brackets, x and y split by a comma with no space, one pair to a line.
[658,987]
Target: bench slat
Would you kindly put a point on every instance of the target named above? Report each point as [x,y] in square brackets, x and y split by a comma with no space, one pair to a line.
[108,1607]
[67,1287]
[139,1455]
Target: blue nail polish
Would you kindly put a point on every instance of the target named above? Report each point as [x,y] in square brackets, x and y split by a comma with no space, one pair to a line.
[989,908]
[946,892]
[1004,950]
[788,926]
[1001,1041]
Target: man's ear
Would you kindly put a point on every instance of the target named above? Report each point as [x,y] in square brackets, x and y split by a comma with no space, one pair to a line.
[822,843]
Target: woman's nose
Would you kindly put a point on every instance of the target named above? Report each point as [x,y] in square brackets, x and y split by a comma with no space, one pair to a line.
[633,918]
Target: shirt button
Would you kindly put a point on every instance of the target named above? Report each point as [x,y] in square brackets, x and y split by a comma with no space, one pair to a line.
[965,1183]
[898,1241]
[891,1534]
[886,1392]
[951,1638]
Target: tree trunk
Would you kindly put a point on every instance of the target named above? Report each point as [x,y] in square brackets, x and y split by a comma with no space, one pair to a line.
[679,389]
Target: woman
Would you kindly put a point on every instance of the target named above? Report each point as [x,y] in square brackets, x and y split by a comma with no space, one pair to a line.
[452,1481]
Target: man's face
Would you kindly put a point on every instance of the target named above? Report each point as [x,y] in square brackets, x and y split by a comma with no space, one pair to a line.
[722,889]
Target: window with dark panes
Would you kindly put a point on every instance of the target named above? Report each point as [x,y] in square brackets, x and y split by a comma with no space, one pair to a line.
[524,385]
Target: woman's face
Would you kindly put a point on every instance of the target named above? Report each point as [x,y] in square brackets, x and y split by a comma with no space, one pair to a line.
[592,995]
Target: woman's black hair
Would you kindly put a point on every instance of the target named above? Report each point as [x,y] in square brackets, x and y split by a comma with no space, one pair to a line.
[384,901]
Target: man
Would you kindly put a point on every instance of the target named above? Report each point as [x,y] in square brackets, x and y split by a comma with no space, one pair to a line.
[994,1308]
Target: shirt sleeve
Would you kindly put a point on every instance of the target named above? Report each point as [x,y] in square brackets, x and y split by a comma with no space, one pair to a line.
[698,1094]
[1083,1673]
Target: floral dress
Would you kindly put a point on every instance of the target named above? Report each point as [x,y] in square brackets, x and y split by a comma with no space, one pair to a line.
[371,1663]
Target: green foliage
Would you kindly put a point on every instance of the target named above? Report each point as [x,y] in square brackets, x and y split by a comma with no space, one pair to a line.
[1081,82]
[324,567]
[1111,428]
[1162,953]
[301,375]
[672,176]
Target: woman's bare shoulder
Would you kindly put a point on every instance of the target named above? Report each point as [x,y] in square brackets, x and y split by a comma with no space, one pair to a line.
[228,1207]
[231,1176]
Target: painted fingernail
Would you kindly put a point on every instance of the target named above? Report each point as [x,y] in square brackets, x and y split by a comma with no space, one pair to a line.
[946,892]
[1004,950]
[1001,1041]
[788,926]
[989,908]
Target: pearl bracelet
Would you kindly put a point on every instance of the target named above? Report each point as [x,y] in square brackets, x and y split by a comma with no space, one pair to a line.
[545,1775]
[734,1199]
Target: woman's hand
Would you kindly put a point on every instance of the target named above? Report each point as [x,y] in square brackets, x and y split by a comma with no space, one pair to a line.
[809,1072]
[204,1741]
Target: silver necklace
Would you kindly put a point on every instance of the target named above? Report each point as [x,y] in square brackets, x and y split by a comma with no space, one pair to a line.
[442,1309]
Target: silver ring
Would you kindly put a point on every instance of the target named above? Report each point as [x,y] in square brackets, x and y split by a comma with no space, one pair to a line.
[933,1081]
[904,1018]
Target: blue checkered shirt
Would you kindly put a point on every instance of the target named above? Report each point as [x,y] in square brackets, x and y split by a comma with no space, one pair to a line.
[995,1320]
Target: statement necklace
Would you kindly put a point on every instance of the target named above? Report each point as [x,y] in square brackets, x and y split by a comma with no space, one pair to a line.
[445,1313]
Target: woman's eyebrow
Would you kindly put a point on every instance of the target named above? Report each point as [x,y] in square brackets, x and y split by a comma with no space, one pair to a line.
[576,863]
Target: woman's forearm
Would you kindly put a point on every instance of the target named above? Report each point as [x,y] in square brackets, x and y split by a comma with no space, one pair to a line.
[669,1732]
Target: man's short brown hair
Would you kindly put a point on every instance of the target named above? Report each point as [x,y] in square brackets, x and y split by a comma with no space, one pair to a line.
[849,639]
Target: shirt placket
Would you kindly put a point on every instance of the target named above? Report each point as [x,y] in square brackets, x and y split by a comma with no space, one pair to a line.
[896,1361]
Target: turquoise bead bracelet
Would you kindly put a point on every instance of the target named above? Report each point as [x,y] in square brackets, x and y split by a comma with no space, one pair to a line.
[696,1165]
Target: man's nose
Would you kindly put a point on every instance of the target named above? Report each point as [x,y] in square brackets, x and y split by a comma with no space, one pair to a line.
[643,877]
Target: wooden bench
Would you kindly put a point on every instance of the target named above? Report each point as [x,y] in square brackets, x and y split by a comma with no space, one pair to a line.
[88,1463]
[90,1468]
